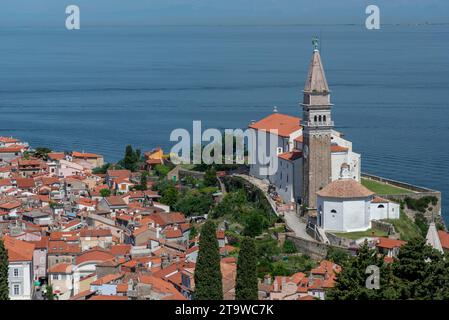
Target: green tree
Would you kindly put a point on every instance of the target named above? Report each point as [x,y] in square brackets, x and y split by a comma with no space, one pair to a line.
[415,268]
[131,160]
[161,170]
[105,193]
[208,278]
[42,152]
[101,170]
[338,256]
[193,202]
[289,247]
[254,224]
[351,281]
[246,287]
[193,233]
[210,177]
[49,295]
[4,288]
[169,196]
[143,182]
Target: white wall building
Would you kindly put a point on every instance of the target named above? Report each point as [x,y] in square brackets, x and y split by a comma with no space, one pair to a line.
[288,177]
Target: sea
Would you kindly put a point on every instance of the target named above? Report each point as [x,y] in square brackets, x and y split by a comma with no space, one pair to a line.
[98,89]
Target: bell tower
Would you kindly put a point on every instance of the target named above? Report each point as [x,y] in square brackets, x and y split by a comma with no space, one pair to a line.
[317,130]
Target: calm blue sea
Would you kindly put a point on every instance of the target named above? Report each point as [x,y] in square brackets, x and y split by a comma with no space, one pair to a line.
[99,89]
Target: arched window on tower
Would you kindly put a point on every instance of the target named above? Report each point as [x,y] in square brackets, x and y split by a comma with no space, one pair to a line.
[319,118]
[324,119]
[315,119]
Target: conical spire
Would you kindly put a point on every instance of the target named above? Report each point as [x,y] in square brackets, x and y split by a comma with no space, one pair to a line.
[316,79]
[432,237]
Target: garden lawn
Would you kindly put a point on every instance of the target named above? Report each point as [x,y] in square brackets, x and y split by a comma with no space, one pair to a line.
[361,234]
[383,188]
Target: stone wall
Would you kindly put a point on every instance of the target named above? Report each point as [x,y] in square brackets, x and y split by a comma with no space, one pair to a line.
[316,250]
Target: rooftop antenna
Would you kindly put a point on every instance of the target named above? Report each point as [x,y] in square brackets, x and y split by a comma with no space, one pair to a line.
[321,41]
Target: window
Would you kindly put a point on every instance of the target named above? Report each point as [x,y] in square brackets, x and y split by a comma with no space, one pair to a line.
[55,277]
[16,289]
[380,206]
[333,211]
[16,273]
[324,118]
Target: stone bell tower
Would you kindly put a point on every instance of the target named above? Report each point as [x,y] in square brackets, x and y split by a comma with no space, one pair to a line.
[317,124]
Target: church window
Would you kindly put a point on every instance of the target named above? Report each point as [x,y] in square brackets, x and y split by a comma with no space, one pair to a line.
[319,118]
[333,211]
[380,206]
[315,118]
[324,118]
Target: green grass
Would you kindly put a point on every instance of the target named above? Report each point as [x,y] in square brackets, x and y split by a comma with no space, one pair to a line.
[360,234]
[406,227]
[383,188]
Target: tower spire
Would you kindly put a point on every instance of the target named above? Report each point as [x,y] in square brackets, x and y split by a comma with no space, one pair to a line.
[318,124]
[316,79]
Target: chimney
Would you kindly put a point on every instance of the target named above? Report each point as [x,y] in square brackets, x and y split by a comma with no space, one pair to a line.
[267,280]
[284,283]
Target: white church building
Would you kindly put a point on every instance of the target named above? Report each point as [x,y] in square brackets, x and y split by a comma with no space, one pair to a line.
[340,202]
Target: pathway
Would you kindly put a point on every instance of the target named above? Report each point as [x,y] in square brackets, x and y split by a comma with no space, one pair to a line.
[293,222]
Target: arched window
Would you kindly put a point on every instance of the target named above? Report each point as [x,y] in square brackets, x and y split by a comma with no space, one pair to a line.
[324,118]
[315,119]
[333,211]
[380,206]
[319,118]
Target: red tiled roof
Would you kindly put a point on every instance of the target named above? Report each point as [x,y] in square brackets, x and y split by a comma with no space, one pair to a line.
[120,249]
[444,238]
[61,247]
[115,201]
[65,268]
[102,297]
[345,188]
[291,156]
[95,233]
[18,250]
[377,199]
[24,183]
[284,124]
[107,278]
[56,155]
[389,243]
[76,154]
[94,255]
[337,148]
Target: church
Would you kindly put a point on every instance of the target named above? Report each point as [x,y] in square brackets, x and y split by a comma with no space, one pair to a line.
[317,170]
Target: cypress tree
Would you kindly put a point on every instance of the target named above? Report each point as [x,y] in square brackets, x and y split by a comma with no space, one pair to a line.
[246,287]
[208,283]
[4,289]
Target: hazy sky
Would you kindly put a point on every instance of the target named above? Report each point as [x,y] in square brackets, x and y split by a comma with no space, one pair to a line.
[147,12]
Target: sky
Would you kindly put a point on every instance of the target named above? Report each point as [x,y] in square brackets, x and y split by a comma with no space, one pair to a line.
[30,13]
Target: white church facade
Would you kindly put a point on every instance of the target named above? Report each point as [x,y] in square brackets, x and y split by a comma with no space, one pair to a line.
[317,170]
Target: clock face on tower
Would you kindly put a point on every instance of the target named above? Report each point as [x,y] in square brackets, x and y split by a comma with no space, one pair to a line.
[306,151]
